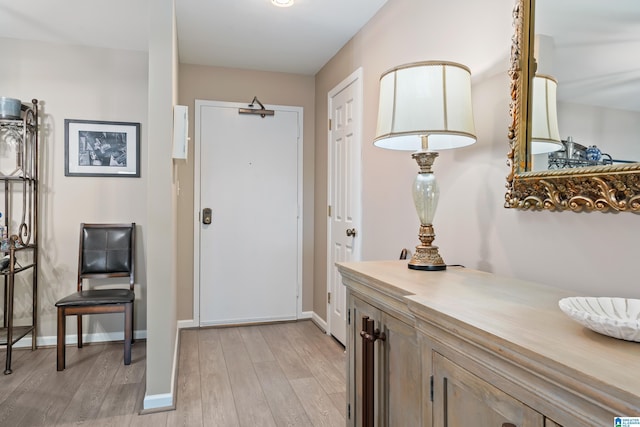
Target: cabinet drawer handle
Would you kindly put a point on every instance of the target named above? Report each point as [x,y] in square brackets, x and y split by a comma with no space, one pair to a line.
[369,336]
[377,335]
[508,425]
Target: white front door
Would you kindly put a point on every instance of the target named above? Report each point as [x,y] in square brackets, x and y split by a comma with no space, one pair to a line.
[249,254]
[344,193]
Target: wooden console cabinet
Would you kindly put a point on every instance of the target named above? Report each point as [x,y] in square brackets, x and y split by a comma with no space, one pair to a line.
[461,347]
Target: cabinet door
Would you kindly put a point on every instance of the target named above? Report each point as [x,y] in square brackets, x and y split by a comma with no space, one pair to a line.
[359,309]
[402,396]
[463,399]
[397,371]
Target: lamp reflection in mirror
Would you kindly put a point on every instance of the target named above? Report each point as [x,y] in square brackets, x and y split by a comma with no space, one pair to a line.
[423,107]
[545,136]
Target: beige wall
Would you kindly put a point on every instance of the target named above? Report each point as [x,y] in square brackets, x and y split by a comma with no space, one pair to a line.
[232,85]
[75,82]
[592,253]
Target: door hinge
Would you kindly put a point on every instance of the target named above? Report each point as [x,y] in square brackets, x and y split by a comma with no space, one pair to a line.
[349,410]
[431,386]
[328,297]
[329,211]
[329,124]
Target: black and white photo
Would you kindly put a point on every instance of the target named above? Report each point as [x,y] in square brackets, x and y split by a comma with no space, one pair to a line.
[100,148]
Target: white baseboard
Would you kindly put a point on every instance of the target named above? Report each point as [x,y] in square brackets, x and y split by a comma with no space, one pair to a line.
[318,321]
[247,321]
[190,323]
[182,324]
[51,341]
[157,402]
[165,401]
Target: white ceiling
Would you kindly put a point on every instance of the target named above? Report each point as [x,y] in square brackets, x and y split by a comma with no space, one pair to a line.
[596,41]
[254,34]
[250,34]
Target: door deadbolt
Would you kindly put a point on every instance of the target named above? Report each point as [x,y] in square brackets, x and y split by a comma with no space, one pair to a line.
[351,232]
[206,216]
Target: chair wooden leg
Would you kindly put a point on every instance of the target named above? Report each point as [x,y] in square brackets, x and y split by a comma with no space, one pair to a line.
[133,316]
[79,331]
[128,332]
[61,339]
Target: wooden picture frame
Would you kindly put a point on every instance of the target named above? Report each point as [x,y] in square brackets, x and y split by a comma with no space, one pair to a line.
[101,148]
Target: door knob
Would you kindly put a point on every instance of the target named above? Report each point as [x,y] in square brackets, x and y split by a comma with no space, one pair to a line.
[351,232]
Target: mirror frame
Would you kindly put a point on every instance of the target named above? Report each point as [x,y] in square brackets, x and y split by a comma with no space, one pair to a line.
[596,188]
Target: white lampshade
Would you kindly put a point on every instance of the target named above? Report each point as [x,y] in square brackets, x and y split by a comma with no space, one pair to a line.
[545,136]
[426,98]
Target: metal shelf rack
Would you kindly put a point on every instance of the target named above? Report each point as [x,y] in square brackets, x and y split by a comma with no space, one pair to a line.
[19,240]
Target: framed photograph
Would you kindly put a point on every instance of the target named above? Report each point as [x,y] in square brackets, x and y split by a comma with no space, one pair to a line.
[96,148]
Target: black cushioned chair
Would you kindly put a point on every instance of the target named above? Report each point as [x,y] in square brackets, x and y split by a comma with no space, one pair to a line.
[106,251]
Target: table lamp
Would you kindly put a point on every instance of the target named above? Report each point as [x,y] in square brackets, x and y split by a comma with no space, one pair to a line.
[423,107]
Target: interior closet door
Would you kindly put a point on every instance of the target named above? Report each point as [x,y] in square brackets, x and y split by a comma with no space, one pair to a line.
[344,194]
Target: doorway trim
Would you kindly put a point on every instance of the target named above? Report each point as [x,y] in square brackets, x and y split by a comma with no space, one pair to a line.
[355,78]
[199,103]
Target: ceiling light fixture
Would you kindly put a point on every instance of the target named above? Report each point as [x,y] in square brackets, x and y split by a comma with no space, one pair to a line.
[282,3]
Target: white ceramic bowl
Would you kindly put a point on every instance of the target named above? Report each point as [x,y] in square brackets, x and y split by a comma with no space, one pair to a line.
[614,317]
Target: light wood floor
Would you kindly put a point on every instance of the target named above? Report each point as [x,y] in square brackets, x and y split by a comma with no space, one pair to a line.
[286,374]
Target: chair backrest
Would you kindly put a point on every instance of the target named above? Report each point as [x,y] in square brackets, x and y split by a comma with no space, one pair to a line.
[106,250]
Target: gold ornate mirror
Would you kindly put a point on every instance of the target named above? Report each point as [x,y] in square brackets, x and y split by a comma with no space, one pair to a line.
[589,162]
